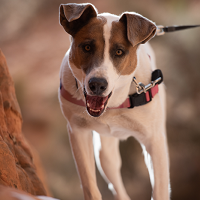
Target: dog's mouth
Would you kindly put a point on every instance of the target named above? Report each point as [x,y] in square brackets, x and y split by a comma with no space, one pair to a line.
[96,104]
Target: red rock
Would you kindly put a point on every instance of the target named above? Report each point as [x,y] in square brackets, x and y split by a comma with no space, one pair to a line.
[17,169]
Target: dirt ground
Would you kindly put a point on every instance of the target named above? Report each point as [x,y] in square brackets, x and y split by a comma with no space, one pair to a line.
[34,44]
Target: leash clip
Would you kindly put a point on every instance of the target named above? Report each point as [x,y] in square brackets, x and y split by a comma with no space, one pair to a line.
[140,87]
[160,30]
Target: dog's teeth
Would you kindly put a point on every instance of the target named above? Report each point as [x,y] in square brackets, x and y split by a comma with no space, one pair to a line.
[88,104]
[102,106]
[94,110]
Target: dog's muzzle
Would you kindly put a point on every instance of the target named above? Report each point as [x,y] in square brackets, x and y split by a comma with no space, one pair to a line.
[96,102]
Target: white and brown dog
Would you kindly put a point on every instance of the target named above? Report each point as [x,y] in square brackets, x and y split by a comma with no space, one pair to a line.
[97,88]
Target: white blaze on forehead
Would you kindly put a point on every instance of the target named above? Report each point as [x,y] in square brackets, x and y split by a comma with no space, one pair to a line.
[107,68]
[107,33]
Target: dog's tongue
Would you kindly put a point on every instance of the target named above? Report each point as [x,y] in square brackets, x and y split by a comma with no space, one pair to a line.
[96,102]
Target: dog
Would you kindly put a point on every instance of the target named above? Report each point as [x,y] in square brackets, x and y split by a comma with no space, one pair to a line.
[99,73]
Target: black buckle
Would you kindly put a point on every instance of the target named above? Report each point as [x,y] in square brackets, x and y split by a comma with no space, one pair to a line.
[137,100]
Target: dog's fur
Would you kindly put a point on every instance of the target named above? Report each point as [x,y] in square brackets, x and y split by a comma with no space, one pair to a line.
[113,48]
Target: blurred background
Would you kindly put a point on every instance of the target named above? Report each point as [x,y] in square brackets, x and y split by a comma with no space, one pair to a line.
[34,44]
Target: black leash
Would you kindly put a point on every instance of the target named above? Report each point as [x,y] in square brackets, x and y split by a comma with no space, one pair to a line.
[161,30]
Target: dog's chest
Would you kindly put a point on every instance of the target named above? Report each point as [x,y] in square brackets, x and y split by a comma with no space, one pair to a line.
[114,124]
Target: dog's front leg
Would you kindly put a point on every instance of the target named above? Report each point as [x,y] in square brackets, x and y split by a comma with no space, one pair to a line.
[156,158]
[82,148]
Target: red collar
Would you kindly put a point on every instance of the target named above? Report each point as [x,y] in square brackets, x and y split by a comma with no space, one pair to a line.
[138,99]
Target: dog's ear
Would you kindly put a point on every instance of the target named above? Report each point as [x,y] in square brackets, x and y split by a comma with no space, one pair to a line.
[139,29]
[74,16]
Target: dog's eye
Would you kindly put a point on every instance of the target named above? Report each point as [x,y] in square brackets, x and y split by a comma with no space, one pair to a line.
[119,52]
[87,48]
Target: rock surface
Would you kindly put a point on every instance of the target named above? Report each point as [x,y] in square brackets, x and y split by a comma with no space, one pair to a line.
[17,169]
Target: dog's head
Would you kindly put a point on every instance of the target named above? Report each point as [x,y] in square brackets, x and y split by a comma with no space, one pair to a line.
[103,55]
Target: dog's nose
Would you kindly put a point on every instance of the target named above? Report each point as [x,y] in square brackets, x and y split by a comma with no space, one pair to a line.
[98,85]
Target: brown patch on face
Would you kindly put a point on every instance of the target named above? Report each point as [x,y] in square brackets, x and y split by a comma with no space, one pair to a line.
[88,45]
[122,53]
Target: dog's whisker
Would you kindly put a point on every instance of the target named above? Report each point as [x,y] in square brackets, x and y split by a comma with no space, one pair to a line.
[84,111]
[79,89]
